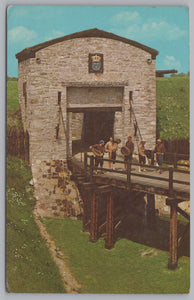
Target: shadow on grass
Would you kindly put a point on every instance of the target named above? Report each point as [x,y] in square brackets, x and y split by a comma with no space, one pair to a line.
[153,232]
[135,226]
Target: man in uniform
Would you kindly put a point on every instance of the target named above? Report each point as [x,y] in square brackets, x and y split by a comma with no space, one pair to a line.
[111,147]
[100,150]
[130,146]
[142,156]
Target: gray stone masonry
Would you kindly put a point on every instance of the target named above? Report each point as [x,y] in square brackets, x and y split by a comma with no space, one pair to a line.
[58,78]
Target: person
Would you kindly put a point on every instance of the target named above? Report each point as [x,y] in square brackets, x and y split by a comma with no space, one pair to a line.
[111,147]
[142,155]
[130,146]
[159,150]
[101,149]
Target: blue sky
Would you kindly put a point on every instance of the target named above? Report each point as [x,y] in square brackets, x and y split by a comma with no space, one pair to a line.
[165,29]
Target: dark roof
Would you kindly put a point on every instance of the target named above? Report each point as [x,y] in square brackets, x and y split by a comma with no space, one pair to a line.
[30,52]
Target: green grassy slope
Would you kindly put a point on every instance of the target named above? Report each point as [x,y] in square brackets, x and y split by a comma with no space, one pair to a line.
[29,267]
[13,108]
[173,107]
[128,268]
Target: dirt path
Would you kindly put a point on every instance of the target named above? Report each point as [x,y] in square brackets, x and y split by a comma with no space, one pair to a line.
[70,283]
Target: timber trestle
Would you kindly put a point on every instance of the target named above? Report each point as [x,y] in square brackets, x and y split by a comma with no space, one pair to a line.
[92,200]
[97,195]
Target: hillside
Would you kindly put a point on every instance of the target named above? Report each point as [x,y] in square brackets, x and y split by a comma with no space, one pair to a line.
[173,107]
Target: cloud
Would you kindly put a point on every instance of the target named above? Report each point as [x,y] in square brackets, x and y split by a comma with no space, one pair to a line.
[171,63]
[130,25]
[167,30]
[22,35]
[125,17]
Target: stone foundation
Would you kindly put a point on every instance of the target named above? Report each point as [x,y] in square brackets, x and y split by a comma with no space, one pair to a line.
[56,194]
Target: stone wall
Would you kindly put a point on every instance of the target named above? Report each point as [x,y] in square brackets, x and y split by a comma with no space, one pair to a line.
[56,67]
[57,195]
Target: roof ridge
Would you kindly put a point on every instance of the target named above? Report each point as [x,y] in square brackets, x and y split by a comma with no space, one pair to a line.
[93,32]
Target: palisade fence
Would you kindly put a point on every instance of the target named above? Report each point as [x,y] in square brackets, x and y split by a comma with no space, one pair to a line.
[17,143]
[177,146]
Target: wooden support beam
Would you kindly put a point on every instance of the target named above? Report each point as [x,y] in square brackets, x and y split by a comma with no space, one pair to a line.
[109,223]
[117,225]
[173,247]
[183,213]
[101,227]
[86,190]
[94,217]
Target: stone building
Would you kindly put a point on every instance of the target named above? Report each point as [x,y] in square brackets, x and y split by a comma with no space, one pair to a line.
[85,86]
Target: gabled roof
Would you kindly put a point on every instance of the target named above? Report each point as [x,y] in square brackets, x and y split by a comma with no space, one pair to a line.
[30,52]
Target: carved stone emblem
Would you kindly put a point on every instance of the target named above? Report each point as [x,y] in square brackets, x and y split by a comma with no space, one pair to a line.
[96,63]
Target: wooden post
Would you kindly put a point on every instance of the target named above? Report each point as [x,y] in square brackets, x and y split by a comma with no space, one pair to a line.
[170,180]
[173,247]
[129,174]
[91,166]
[94,218]
[175,160]
[109,222]
[85,210]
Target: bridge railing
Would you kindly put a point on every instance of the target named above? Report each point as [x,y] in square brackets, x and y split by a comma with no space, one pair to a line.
[129,171]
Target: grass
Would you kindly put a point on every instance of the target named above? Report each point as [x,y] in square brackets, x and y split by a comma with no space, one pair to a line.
[129,268]
[12,95]
[14,118]
[29,267]
[173,107]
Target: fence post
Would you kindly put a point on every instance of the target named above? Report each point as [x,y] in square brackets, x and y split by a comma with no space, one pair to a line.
[128,174]
[91,166]
[173,247]
[175,160]
[170,180]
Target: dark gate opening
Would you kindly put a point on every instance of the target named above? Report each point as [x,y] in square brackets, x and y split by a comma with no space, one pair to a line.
[97,126]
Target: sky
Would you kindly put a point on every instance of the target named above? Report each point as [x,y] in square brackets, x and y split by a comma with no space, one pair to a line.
[165,29]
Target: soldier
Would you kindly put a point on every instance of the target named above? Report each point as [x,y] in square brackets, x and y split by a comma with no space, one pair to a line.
[98,150]
[130,146]
[142,155]
[111,147]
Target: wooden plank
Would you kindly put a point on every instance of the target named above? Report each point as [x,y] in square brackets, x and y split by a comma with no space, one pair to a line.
[94,218]
[183,213]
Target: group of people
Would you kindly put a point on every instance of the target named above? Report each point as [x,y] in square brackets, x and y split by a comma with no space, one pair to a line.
[111,147]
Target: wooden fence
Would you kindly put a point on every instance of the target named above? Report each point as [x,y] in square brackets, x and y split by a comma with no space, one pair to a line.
[17,143]
[177,146]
